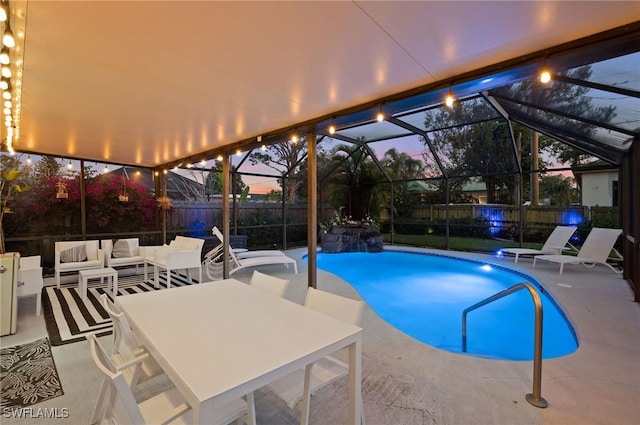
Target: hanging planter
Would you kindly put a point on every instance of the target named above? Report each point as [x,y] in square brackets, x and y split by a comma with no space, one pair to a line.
[164,203]
[61,190]
[123,197]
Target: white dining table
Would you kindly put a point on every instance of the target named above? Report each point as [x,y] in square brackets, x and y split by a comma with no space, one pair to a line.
[221,340]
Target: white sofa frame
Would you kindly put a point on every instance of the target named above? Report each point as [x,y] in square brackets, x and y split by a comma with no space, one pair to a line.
[95,259]
[182,253]
[140,252]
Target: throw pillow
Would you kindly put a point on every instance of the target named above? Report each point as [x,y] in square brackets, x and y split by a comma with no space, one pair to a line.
[73,255]
[121,249]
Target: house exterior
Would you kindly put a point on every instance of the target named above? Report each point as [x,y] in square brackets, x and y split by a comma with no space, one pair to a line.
[598,184]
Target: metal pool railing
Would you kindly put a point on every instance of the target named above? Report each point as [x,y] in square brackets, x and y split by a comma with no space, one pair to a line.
[536,397]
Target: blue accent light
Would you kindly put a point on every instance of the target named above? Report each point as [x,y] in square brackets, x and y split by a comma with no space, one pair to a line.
[572,217]
[496,218]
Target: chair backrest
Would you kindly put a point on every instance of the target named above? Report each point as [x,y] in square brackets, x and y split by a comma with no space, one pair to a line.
[599,244]
[32,262]
[124,340]
[186,243]
[273,284]
[342,308]
[558,238]
[234,260]
[121,407]
[217,233]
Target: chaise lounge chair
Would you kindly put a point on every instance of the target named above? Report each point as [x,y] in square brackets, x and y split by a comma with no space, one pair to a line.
[555,243]
[595,250]
[246,254]
[212,263]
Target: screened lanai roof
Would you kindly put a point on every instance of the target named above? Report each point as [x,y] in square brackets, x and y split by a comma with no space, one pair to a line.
[603,119]
[156,84]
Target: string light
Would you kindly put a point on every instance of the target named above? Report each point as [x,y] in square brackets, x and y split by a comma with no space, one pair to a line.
[7,38]
[4,15]
[5,59]
[545,75]
[449,100]
[69,165]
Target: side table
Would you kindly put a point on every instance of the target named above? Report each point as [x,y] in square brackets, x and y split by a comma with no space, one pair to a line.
[108,272]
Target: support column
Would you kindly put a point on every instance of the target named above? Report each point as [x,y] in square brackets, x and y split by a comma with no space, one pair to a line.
[83,202]
[226,216]
[312,209]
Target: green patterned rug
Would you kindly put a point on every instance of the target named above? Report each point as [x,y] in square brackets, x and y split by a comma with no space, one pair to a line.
[28,375]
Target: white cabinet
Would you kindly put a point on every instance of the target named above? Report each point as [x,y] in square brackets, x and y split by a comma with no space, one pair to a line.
[8,293]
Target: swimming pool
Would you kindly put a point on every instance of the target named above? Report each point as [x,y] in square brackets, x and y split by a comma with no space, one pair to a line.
[423,295]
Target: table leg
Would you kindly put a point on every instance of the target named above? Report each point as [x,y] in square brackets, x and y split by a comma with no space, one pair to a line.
[144,279]
[82,283]
[114,279]
[356,415]
[156,276]
[306,395]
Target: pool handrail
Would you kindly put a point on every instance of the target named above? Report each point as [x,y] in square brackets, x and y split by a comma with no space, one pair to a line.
[536,397]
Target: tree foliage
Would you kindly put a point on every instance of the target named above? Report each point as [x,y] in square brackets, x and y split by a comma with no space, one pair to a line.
[472,140]
[289,160]
[213,183]
[560,190]
[40,212]
[571,99]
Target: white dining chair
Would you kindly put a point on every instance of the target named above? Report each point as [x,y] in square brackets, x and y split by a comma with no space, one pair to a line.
[126,347]
[272,284]
[168,407]
[323,372]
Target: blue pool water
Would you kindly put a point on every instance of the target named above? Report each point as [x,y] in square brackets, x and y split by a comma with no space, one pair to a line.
[423,295]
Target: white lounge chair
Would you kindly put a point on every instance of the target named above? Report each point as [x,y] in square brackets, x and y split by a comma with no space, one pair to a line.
[247,254]
[555,243]
[212,262]
[290,388]
[595,250]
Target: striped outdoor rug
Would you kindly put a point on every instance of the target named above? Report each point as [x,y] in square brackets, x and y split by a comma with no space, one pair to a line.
[69,318]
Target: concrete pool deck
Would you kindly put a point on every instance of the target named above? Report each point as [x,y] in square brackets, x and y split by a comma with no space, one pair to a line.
[407,382]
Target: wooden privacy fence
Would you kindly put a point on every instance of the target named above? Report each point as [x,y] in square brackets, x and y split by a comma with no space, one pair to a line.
[195,216]
[509,215]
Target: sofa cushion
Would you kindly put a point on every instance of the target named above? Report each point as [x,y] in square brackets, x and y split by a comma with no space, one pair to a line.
[122,248]
[73,255]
